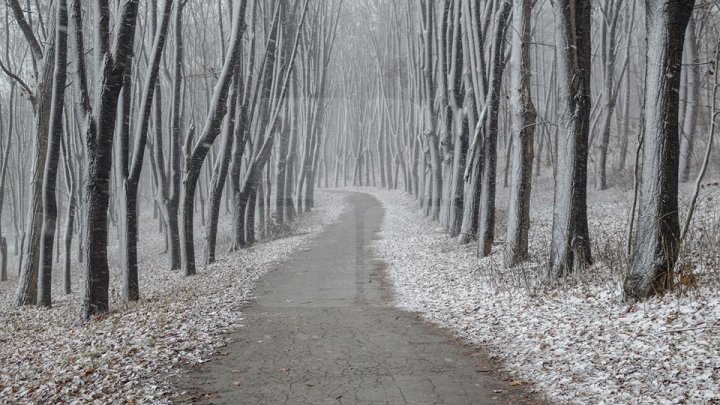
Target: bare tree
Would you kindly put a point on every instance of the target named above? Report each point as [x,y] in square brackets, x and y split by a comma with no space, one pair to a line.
[523,129]
[173,201]
[41,99]
[196,156]
[692,99]
[658,228]
[111,64]
[131,174]
[486,231]
[53,155]
[570,245]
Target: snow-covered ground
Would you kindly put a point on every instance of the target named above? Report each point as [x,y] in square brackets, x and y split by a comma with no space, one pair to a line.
[577,342]
[128,356]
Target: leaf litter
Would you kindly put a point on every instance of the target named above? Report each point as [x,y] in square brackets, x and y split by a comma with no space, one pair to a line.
[576,342]
[132,354]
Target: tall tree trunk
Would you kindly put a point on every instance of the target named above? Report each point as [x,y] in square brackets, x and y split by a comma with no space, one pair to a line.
[220,171]
[173,201]
[570,245]
[3,179]
[523,129]
[131,286]
[100,129]
[692,99]
[486,231]
[70,215]
[658,228]
[30,259]
[211,130]
[282,163]
[53,156]
[612,11]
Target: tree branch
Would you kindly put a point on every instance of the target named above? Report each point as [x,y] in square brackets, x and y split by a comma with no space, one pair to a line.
[26,29]
[20,81]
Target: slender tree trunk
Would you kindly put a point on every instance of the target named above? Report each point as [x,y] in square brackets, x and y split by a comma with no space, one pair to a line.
[3,179]
[523,129]
[486,231]
[173,200]
[282,164]
[69,224]
[612,10]
[49,225]
[195,159]
[220,172]
[131,286]
[30,259]
[692,99]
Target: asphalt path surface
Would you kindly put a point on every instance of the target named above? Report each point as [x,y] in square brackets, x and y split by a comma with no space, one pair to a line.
[323,330]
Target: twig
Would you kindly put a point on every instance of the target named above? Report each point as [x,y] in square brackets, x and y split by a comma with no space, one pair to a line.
[691,329]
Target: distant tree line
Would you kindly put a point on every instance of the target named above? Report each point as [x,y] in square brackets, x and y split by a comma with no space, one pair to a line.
[430,92]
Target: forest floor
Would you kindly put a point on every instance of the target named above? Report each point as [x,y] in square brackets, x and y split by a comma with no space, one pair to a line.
[323,330]
[132,354]
[576,341]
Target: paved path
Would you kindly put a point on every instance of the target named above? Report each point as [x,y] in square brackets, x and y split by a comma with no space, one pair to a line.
[323,331]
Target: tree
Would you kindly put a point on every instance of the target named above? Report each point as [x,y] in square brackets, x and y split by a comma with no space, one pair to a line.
[173,201]
[570,245]
[486,231]
[53,155]
[196,156]
[41,99]
[658,229]
[131,174]
[523,129]
[430,124]
[111,64]
[692,99]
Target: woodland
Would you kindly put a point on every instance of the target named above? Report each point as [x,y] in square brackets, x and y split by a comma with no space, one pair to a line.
[151,152]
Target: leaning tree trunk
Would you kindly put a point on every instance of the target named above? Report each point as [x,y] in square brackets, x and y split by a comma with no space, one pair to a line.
[570,245]
[212,128]
[30,259]
[131,286]
[523,129]
[658,228]
[53,157]
[220,171]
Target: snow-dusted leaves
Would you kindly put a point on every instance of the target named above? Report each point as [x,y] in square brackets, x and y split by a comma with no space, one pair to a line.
[130,355]
[578,343]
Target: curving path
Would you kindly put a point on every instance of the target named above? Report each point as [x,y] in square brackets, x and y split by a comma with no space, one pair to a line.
[323,331]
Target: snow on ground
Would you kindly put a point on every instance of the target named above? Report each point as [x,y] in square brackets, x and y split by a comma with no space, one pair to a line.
[129,355]
[577,342]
